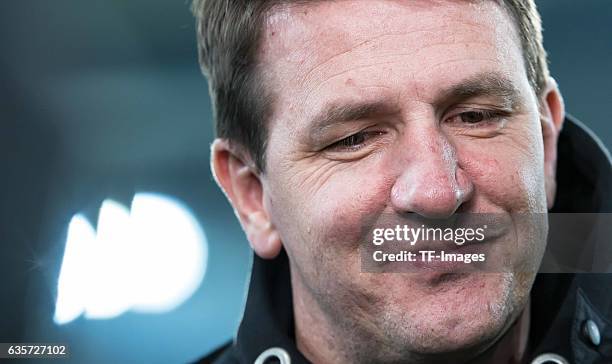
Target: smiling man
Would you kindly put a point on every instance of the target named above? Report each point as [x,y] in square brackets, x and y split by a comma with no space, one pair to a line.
[337,116]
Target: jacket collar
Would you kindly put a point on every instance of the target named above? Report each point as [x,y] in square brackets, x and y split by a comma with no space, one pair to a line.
[562,303]
[268,316]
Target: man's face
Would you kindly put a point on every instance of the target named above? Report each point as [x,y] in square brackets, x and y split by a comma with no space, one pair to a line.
[389,108]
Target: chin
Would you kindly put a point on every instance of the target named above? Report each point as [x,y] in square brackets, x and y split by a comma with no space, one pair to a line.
[458,313]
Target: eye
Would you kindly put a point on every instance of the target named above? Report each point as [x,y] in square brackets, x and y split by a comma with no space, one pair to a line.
[476,118]
[355,141]
[472,117]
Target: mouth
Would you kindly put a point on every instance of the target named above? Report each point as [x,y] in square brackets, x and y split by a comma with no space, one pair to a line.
[438,256]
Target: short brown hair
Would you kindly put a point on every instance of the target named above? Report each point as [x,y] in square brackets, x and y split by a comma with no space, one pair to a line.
[228,33]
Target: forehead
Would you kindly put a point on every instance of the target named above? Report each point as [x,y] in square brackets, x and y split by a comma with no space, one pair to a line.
[323,49]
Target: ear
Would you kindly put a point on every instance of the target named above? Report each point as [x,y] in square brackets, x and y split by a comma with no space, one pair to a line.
[243,188]
[552,114]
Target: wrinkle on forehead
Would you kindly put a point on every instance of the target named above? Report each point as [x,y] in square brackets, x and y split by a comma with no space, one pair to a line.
[295,34]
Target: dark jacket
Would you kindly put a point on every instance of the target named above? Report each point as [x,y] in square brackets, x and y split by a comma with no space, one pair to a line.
[570,313]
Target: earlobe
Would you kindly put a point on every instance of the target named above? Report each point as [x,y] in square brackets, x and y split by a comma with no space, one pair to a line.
[243,188]
[552,114]
[264,239]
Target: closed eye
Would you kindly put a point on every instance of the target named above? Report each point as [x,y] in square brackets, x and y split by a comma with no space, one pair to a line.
[355,141]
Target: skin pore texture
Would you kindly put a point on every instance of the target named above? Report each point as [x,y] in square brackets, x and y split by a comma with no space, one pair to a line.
[397,108]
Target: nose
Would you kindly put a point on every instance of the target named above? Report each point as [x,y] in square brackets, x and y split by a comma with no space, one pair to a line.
[431,183]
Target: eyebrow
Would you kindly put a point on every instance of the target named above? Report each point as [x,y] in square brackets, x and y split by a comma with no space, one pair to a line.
[488,84]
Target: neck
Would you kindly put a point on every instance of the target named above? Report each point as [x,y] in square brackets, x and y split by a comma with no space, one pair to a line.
[322,340]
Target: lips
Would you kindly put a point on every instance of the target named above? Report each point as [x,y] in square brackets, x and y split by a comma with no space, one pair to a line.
[472,250]
[492,233]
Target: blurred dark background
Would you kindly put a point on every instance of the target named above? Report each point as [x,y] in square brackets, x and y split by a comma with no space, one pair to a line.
[104,99]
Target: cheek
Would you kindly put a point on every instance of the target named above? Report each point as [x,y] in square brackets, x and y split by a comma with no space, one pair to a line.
[324,221]
[507,172]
